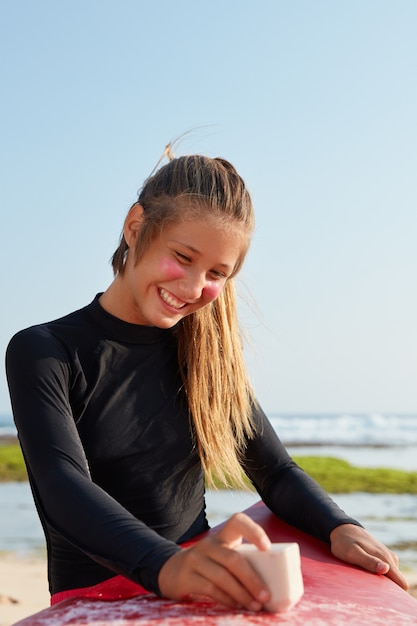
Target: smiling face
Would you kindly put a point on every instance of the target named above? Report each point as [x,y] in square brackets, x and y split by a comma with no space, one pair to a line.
[183,269]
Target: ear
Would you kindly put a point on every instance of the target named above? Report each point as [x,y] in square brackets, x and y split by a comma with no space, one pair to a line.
[133,224]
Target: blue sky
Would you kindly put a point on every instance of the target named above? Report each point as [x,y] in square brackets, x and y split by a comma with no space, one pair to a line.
[314,102]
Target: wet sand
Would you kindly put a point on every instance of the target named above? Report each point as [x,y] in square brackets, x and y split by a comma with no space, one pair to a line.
[23,587]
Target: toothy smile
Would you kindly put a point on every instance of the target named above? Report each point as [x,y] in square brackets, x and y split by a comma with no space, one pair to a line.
[169,299]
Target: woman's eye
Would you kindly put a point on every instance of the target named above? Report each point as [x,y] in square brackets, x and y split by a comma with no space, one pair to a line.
[218,275]
[182,257]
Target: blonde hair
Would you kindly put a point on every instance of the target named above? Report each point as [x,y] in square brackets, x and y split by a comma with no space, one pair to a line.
[210,350]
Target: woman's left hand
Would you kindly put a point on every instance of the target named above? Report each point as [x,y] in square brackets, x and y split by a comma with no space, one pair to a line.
[355,545]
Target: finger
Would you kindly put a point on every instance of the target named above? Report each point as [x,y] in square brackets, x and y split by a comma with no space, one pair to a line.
[233,582]
[202,571]
[237,575]
[390,570]
[241,526]
[204,590]
[385,564]
[397,577]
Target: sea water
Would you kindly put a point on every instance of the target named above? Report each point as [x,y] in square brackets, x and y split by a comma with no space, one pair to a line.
[342,429]
[368,440]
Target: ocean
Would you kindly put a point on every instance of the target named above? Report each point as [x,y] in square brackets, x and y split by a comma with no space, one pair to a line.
[366,440]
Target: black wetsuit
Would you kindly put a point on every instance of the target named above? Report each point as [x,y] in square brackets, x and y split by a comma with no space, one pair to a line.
[104,428]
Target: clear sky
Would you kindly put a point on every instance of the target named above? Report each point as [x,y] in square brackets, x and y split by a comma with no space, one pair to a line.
[314,102]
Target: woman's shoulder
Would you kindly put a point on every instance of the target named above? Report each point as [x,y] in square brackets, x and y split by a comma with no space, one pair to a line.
[43,337]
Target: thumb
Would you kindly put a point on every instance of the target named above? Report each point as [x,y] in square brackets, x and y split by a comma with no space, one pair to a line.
[239,527]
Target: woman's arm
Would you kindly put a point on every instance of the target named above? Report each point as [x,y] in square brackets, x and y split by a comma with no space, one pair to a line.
[298,499]
[285,488]
[40,378]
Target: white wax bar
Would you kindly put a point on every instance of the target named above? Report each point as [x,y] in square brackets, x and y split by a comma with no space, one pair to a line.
[280,569]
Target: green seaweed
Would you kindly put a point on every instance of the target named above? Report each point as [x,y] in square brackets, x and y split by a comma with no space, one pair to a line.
[334,475]
[12,465]
[339,476]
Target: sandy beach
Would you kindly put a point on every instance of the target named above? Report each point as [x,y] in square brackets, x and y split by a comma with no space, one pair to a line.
[24,588]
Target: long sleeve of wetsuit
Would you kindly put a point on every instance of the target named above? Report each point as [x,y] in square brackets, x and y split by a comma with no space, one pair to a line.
[72,505]
[285,488]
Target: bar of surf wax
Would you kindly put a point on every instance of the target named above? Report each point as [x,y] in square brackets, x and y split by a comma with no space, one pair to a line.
[280,569]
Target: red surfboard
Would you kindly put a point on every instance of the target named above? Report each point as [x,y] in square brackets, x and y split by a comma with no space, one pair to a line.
[335,594]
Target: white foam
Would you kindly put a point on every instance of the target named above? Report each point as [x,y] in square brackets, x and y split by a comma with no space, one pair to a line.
[346,429]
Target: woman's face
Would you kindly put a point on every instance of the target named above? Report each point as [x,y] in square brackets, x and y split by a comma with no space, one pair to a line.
[184,269]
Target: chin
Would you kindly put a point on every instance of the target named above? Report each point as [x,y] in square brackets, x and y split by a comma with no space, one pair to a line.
[167,323]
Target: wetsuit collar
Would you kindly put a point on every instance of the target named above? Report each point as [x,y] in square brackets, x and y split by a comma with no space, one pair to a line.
[125,331]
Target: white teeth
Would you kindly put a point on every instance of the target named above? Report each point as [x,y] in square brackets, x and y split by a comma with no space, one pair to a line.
[166,297]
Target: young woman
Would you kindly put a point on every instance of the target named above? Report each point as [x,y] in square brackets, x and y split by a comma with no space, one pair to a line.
[125,407]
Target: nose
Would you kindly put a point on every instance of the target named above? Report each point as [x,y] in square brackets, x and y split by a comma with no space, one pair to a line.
[192,285]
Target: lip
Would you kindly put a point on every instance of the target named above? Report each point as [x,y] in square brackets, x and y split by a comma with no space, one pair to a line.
[171,301]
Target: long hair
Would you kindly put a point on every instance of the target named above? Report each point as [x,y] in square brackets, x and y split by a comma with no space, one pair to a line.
[210,351]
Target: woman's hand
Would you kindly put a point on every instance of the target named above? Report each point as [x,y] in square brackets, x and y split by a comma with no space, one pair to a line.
[212,568]
[355,545]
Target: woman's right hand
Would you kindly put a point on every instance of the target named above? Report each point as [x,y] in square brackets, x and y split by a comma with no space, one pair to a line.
[213,568]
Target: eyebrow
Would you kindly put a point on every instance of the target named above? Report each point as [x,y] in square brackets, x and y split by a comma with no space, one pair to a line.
[192,249]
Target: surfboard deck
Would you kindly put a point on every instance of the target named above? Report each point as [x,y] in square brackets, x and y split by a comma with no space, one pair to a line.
[335,594]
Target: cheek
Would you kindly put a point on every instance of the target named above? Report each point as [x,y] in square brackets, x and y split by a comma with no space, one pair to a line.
[212,291]
[171,269]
